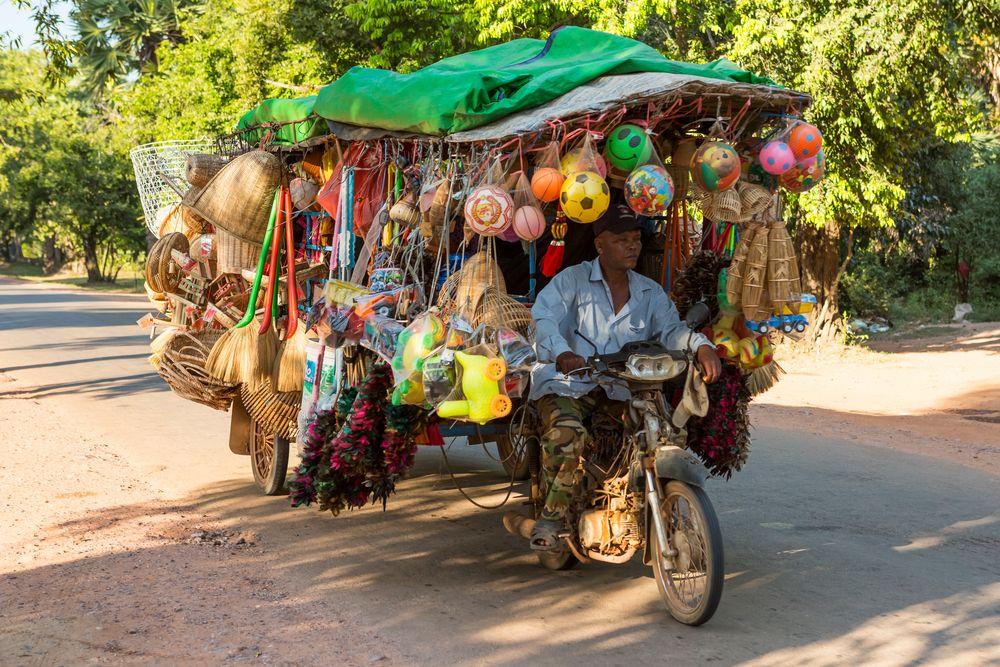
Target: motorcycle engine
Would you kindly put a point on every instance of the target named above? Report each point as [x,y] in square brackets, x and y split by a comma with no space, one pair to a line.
[612,529]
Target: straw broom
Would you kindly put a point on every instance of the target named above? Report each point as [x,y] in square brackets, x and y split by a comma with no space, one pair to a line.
[235,353]
[737,268]
[755,276]
[783,282]
[288,369]
[267,344]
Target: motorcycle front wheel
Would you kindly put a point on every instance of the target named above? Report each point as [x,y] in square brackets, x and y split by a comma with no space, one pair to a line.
[690,583]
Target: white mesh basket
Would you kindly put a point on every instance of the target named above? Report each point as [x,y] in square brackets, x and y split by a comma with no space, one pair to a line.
[169,157]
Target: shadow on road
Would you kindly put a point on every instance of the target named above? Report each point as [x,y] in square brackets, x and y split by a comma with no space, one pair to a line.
[818,578]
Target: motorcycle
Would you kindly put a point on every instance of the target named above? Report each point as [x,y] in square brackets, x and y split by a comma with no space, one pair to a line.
[639,488]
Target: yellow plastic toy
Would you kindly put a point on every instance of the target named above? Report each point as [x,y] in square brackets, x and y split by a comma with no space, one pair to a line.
[480,385]
[415,343]
[750,351]
[409,392]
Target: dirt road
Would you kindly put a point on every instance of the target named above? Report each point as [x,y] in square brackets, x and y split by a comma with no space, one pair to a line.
[860,532]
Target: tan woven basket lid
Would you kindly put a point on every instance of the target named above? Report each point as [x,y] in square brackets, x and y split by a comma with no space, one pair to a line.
[238,199]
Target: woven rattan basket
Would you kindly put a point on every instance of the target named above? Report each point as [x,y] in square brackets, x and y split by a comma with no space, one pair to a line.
[182,366]
[462,290]
[498,309]
[201,167]
[234,255]
[274,412]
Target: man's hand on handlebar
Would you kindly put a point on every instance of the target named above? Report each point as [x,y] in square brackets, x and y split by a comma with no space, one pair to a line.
[711,367]
[568,362]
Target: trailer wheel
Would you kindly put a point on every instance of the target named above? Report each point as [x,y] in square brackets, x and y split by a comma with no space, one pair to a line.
[268,460]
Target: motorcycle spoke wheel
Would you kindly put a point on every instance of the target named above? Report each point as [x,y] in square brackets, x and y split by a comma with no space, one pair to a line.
[690,582]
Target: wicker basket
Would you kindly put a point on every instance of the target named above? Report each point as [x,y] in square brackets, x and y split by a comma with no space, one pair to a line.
[182,366]
[234,255]
[201,167]
[463,289]
[239,197]
[497,309]
[275,412]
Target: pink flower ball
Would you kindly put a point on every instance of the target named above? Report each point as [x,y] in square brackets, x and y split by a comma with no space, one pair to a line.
[776,157]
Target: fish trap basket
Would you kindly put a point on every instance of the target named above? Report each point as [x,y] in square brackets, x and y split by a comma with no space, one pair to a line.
[182,366]
[169,158]
[276,412]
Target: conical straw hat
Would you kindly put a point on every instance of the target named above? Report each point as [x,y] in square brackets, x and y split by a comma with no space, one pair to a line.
[238,198]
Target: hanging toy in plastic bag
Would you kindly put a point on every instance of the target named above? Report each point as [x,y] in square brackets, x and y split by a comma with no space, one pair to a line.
[381,336]
[438,376]
[585,195]
[482,398]
[415,343]
[515,349]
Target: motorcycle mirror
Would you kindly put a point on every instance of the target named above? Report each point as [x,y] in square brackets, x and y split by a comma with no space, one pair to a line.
[698,316]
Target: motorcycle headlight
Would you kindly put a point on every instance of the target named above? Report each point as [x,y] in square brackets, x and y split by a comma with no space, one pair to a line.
[654,368]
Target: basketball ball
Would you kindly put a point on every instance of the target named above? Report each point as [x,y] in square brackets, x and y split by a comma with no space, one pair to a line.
[546,184]
[529,223]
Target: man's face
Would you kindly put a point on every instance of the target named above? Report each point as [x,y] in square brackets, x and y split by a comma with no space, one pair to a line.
[619,251]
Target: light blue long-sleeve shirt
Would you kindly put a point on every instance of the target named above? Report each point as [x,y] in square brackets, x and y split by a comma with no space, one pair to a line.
[579,299]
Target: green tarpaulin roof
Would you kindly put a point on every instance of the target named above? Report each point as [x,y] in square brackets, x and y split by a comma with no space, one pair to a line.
[472,89]
[285,112]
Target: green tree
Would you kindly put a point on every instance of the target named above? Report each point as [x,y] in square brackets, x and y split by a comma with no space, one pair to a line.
[886,79]
[65,174]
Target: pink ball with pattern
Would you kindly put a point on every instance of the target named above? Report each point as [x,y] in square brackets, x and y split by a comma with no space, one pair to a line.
[776,157]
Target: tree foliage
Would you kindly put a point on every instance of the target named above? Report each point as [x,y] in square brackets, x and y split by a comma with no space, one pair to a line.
[65,174]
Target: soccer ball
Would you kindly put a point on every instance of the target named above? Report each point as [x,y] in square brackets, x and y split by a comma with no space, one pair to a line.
[585,197]
[489,210]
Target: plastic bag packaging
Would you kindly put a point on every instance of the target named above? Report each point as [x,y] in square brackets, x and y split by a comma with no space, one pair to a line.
[381,336]
[438,376]
[308,404]
[515,349]
[415,344]
[584,157]
[480,392]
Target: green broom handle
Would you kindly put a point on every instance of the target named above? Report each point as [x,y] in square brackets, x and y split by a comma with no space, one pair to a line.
[252,304]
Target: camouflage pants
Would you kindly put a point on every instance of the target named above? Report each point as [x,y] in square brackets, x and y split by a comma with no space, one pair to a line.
[563,439]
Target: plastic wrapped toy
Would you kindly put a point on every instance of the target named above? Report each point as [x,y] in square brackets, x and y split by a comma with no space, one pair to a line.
[415,344]
[381,336]
[479,378]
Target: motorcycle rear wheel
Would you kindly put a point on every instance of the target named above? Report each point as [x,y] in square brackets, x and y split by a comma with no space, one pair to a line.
[692,590]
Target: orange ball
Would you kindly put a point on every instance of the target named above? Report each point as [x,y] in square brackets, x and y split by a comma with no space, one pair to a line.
[546,184]
[805,141]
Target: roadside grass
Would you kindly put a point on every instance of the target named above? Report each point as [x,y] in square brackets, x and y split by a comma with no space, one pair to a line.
[129,280]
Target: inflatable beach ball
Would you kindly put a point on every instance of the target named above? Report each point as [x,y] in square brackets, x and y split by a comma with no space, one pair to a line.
[715,166]
[804,176]
[546,183]
[574,162]
[627,147]
[585,197]
[649,190]
[776,157]
[805,141]
[489,210]
[529,223]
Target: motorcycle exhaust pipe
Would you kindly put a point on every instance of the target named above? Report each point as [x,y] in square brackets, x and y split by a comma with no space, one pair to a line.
[518,525]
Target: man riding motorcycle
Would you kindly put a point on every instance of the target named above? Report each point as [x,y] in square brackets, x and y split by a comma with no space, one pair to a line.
[593,308]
